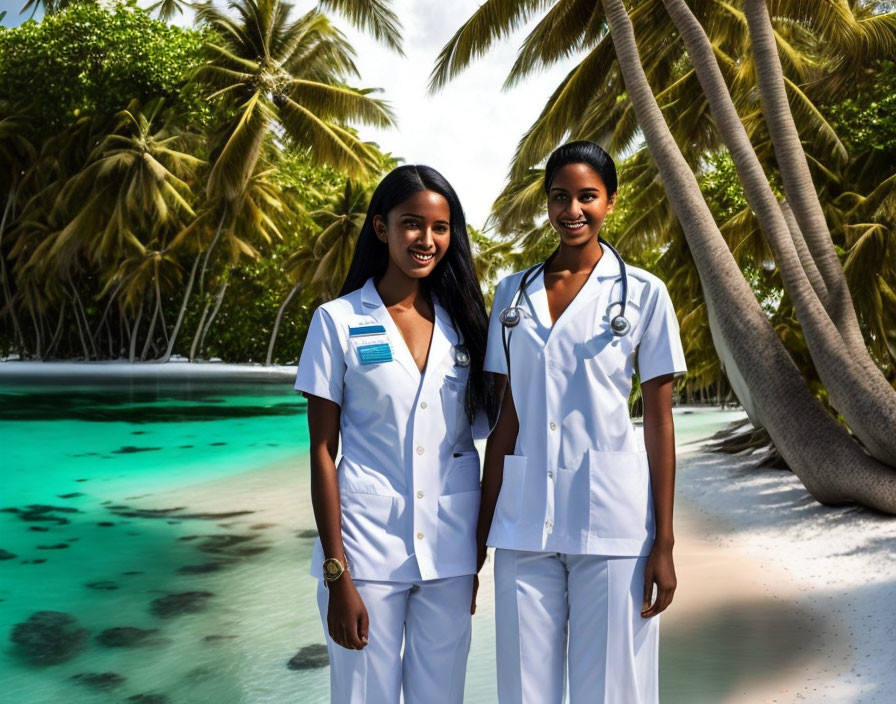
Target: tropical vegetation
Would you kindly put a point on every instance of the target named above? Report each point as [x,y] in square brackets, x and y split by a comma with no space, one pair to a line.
[687,91]
[164,183]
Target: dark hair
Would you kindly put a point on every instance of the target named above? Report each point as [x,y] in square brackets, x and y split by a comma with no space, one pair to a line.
[582,152]
[453,280]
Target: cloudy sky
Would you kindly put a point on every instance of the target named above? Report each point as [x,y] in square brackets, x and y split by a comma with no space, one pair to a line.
[469,130]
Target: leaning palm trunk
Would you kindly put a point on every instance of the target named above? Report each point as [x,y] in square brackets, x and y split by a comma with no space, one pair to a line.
[293,292]
[795,175]
[183,309]
[7,295]
[859,391]
[833,468]
[219,299]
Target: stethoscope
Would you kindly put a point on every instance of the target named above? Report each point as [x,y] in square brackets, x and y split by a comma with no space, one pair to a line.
[511,316]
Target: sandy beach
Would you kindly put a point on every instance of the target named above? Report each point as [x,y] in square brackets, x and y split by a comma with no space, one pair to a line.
[780,599]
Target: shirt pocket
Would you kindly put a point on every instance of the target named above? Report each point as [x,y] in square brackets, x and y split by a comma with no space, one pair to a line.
[463,474]
[621,501]
[510,499]
[458,514]
[454,392]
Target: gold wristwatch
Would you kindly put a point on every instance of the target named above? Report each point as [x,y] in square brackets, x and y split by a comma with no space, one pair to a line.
[333,570]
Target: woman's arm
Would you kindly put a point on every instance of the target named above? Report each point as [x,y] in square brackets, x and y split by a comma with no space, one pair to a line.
[501,442]
[346,615]
[659,440]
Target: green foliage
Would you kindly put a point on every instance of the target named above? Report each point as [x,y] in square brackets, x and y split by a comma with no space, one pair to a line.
[87,60]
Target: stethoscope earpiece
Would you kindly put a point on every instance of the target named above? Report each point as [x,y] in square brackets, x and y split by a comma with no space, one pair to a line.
[461,356]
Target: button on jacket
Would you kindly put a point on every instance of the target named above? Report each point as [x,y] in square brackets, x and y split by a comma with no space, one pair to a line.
[409,473]
[578,481]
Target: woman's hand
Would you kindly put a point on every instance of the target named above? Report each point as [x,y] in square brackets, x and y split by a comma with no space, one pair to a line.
[481,553]
[346,614]
[660,571]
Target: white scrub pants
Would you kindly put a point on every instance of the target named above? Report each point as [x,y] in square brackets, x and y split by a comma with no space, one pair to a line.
[551,608]
[432,618]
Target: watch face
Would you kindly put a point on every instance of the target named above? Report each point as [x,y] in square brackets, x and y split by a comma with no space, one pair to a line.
[332,568]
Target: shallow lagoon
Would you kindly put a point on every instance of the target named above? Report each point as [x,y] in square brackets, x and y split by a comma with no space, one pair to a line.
[100,546]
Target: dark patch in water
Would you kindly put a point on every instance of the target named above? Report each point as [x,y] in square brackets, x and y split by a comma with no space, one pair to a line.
[223,543]
[217,639]
[180,603]
[173,523]
[72,495]
[43,513]
[11,509]
[103,585]
[130,449]
[262,526]
[189,537]
[38,529]
[139,496]
[204,568]
[82,480]
[38,561]
[127,637]
[216,444]
[57,546]
[72,540]
[138,432]
[310,657]
[187,447]
[85,454]
[273,444]
[105,524]
[129,512]
[307,533]
[249,551]
[149,698]
[49,637]
[7,555]
[132,573]
[102,681]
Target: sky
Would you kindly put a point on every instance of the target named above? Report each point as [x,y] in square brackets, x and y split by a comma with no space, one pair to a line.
[470,129]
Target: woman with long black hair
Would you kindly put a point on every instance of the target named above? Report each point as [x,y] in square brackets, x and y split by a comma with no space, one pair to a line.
[394,369]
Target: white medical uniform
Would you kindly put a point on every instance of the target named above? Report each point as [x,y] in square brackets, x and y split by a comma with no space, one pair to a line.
[409,493]
[574,520]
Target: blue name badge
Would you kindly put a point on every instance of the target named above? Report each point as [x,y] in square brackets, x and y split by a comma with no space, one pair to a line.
[371,344]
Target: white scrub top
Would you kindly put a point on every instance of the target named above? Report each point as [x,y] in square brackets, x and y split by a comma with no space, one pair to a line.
[578,481]
[409,473]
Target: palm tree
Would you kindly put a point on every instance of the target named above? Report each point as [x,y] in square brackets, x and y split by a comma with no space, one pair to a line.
[764,377]
[289,76]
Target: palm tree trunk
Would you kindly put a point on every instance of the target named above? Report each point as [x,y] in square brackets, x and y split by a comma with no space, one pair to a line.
[795,175]
[183,309]
[194,346]
[219,299]
[37,336]
[80,330]
[833,468]
[859,391]
[211,248]
[293,292]
[133,347]
[58,334]
[17,330]
[152,329]
[78,305]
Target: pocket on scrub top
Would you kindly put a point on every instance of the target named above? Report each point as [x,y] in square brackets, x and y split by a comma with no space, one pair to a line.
[454,390]
[572,514]
[510,499]
[458,514]
[463,473]
[620,494]
[365,512]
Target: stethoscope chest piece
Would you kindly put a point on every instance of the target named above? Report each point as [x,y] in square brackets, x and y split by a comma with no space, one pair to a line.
[620,325]
[461,356]
[510,317]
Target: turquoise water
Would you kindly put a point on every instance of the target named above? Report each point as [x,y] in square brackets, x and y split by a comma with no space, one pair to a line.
[116,498]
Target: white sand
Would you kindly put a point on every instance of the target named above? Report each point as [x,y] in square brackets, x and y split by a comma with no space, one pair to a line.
[834,566]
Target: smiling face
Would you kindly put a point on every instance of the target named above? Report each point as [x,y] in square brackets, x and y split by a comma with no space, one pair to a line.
[418,232]
[578,202]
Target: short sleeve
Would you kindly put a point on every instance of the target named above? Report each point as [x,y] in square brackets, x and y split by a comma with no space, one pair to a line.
[495,359]
[322,364]
[660,351]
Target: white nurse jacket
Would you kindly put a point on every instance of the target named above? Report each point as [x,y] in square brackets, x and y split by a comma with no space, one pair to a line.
[578,481]
[409,473]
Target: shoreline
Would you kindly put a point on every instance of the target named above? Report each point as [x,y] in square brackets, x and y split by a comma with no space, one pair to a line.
[114,371]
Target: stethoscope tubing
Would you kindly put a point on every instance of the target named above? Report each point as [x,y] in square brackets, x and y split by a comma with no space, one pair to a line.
[511,316]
